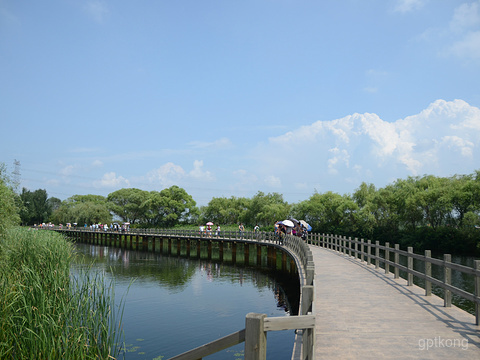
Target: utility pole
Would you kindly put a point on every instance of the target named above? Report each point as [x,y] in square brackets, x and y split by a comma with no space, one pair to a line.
[16,175]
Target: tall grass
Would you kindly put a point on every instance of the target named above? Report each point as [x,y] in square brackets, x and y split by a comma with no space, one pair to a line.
[47,313]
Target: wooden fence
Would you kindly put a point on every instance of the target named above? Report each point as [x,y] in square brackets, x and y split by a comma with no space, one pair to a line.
[390,257]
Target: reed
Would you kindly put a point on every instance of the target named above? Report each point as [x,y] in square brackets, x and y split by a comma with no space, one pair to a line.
[48,313]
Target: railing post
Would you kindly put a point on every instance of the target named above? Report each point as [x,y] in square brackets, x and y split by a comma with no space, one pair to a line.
[447,300]
[397,256]
[410,266]
[428,272]
[356,248]
[387,258]
[255,337]
[369,252]
[350,246]
[307,299]
[362,249]
[377,254]
[310,270]
[476,265]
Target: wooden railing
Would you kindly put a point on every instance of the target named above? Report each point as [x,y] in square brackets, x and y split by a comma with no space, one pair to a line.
[382,254]
[256,325]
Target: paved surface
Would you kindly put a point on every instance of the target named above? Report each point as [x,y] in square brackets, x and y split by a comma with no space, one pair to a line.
[361,313]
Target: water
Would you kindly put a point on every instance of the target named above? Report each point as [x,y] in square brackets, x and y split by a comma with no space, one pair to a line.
[175,304]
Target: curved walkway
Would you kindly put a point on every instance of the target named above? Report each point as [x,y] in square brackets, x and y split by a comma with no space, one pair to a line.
[361,313]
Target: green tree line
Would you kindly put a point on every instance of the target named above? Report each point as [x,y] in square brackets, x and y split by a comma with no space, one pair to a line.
[427,212]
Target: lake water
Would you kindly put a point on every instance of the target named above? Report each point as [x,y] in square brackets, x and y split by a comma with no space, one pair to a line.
[175,304]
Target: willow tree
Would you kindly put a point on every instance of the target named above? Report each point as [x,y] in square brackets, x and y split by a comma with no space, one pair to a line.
[83,209]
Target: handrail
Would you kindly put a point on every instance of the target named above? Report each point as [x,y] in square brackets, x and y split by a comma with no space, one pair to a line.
[253,334]
[369,252]
[268,324]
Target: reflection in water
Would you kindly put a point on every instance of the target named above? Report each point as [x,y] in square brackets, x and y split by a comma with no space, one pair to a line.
[177,303]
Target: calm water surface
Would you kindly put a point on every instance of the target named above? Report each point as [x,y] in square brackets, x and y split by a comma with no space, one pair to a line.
[176,304]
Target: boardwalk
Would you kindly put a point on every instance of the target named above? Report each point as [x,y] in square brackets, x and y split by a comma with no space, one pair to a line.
[361,313]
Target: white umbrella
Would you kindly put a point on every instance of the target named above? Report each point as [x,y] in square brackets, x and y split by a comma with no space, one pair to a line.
[288,223]
[304,223]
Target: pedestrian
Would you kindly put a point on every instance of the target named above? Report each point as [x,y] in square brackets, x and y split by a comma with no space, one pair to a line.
[241,229]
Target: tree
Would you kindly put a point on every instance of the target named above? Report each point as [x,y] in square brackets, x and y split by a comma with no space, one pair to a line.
[365,216]
[226,210]
[8,208]
[170,207]
[463,192]
[83,209]
[54,203]
[35,207]
[433,199]
[328,212]
[410,215]
[266,209]
[129,204]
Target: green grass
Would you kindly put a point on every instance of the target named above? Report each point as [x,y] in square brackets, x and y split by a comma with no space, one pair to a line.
[45,312]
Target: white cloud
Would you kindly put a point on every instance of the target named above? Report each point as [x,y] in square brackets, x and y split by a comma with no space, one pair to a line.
[465,146]
[171,174]
[97,163]
[167,174]
[375,79]
[405,6]
[442,139]
[370,89]
[199,174]
[340,157]
[215,145]
[244,180]
[465,28]
[465,17]
[468,46]
[111,180]
[67,170]
[98,10]
[273,181]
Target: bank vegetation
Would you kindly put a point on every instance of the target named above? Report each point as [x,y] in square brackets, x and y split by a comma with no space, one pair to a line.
[46,311]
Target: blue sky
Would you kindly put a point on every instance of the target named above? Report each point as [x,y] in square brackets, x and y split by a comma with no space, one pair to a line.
[228,98]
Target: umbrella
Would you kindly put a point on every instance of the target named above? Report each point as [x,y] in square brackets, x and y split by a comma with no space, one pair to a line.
[209,223]
[288,223]
[306,225]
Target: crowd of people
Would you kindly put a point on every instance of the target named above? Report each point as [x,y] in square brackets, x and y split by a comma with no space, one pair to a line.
[291,227]
[206,230]
[282,228]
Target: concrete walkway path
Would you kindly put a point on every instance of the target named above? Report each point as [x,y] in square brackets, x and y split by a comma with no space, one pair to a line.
[361,313]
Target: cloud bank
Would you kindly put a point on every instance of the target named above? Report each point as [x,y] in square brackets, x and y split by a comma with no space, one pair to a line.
[443,139]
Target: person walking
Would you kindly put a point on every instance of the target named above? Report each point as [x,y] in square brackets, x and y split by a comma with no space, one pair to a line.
[241,229]
[256,230]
